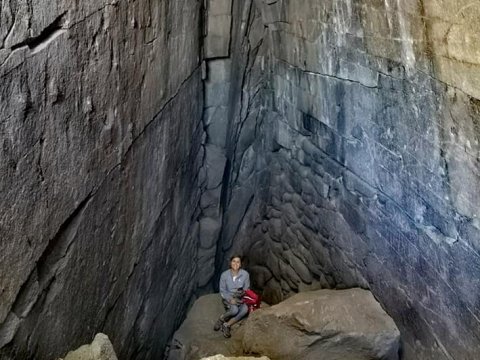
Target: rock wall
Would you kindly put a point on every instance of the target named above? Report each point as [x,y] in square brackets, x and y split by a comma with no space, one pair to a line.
[101,107]
[235,105]
[367,174]
[335,143]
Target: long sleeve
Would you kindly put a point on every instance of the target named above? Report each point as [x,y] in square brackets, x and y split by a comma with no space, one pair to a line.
[223,288]
[246,285]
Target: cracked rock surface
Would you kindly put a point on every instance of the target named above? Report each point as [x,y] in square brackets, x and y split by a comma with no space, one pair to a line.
[334,143]
[352,159]
[100,131]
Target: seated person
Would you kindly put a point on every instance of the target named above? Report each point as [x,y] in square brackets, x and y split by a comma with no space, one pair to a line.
[233,282]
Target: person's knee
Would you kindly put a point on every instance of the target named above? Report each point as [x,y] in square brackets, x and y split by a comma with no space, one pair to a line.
[243,310]
[234,309]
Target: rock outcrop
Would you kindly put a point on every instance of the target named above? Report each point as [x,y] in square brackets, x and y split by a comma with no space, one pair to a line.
[100,146]
[323,325]
[100,349]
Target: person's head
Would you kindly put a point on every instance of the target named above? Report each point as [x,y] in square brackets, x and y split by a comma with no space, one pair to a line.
[235,262]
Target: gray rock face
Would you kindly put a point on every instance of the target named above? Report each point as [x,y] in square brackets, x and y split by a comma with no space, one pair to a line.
[323,325]
[335,143]
[100,132]
[354,161]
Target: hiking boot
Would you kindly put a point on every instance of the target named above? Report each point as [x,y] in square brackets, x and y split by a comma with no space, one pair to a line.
[218,324]
[226,330]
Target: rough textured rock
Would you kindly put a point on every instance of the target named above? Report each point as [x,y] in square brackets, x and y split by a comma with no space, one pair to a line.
[100,132]
[335,143]
[234,86]
[323,324]
[353,158]
[100,349]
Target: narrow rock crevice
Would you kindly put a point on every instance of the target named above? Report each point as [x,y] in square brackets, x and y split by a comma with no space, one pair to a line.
[37,43]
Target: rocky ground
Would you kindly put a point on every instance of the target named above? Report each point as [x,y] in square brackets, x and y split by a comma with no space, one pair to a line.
[318,325]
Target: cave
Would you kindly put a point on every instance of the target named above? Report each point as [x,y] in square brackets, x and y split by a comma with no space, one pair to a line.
[333,143]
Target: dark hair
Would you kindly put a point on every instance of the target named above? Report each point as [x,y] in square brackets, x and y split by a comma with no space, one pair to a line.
[235,256]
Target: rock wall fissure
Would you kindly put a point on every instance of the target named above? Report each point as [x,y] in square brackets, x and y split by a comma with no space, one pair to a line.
[40,279]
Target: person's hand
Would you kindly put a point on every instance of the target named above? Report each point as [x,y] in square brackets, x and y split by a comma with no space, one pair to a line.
[233,301]
[239,294]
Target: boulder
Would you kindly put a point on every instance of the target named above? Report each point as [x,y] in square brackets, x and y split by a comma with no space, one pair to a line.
[323,325]
[100,349]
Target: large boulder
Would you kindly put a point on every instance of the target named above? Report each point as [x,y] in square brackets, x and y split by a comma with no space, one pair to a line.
[323,324]
[100,349]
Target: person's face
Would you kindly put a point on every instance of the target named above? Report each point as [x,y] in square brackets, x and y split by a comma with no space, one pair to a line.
[235,264]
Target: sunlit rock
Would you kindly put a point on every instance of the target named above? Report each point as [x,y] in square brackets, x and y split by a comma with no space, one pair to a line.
[100,349]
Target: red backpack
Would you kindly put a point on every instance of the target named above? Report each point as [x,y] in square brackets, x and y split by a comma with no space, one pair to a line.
[252,300]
